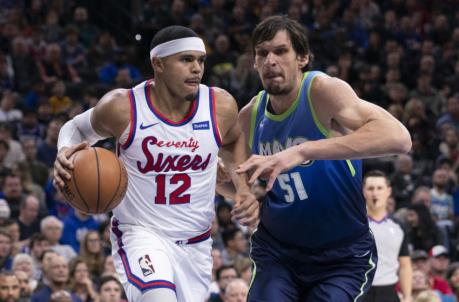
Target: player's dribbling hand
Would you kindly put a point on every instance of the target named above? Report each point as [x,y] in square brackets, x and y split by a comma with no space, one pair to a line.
[264,167]
[63,164]
[246,208]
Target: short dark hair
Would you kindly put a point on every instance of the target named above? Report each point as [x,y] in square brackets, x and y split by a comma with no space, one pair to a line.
[229,235]
[36,237]
[171,33]
[108,278]
[376,173]
[222,268]
[268,28]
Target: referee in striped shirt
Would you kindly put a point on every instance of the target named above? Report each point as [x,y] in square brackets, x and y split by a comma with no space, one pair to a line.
[394,263]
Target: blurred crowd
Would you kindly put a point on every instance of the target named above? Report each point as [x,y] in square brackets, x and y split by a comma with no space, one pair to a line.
[57,58]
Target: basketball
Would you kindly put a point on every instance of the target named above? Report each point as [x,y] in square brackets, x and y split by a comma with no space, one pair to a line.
[99,181]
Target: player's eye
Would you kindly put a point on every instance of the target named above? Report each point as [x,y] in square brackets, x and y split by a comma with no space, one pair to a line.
[261,53]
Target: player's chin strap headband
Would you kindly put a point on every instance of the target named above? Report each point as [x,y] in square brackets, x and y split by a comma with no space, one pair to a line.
[178,45]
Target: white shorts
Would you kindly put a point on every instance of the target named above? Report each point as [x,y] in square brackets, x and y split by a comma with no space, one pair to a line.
[146,260]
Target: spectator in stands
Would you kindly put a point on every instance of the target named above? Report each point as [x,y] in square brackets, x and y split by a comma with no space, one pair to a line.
[80,282]
[15,153]
[421,262]
[225,274]
[76,225]
[109,266]
[24,285]
[423,233]
[25,69]
[38,244]
[236,291]
[244,269]
[52,228]
[403,181]
[13,192]
[58,279]
[92,254]
[52,68]
[8,107]
[60,102]
[110,290]
[12,227]
[87,30]
[9,287]
[28,217]
[439,261]
[235,246]
[24,263]
[6,246]
[109,72]
[47,150]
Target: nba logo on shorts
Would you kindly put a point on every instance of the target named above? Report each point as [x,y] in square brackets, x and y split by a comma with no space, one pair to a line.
[146,265]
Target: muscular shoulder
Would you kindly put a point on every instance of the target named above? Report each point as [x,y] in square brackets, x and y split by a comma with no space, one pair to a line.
[112,112]
[226,109]
[329,91]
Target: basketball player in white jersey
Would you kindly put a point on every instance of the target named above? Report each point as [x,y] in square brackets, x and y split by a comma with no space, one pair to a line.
[169,131]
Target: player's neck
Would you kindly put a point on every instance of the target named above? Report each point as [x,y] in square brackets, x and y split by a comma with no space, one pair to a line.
[169,104]
[281,103]
[377,214]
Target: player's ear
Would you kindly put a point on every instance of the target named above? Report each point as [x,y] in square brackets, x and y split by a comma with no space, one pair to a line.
[303,60]
[157,64]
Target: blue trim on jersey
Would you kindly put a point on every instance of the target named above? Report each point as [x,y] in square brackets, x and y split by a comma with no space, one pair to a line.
[133,279]
[164,119]
[133,127]
[214,119]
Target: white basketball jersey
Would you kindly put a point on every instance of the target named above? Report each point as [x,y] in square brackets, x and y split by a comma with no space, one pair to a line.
[172,166]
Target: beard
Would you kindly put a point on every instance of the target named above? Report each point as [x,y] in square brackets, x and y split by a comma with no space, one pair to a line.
[275,89]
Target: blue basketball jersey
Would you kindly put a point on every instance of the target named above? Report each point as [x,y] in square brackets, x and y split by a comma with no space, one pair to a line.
[319,203]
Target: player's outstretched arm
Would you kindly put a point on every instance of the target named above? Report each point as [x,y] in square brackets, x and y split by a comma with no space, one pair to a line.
[108,118]
[356,129]
[233,153]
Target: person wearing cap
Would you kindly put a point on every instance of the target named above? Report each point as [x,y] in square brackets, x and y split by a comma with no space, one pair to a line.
[169,132]
[439,260]
[420,260]
[453,278]
[394,264]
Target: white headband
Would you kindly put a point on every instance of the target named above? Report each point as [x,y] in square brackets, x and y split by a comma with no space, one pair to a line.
[178,45]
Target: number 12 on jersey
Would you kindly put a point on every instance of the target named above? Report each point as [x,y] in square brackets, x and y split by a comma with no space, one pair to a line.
[290,181]
[177,196]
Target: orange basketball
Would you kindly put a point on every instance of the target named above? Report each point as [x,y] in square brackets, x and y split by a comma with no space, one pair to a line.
[99,181]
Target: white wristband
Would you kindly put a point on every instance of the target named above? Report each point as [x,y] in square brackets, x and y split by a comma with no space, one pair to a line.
[78,130]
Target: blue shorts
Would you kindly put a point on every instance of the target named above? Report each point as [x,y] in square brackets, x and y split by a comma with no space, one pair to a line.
[287,273]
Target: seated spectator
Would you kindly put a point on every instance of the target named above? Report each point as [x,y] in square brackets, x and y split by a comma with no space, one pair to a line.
[80,281]
[58,279]
[109,72]
[225,274]
[38,244]
[28,217]
[92,254]
[110,290]
[109,266]
[420,260]
[244,269]
[9,287]
[52,228]
[422,232]
[47,150]
[5,211]
[236,291]
[13,192]
[24,263]
[453,278]
[24,285]
[15,153]
[12,227]
[8,111]
[439,261]
[428,296]
[235,246]
[76,225]
[29,127]
[452,113]
[52,68]
[59,101]
[6,246]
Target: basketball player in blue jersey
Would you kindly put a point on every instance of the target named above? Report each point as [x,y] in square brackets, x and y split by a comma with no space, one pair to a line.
[169,132]
[307,132]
